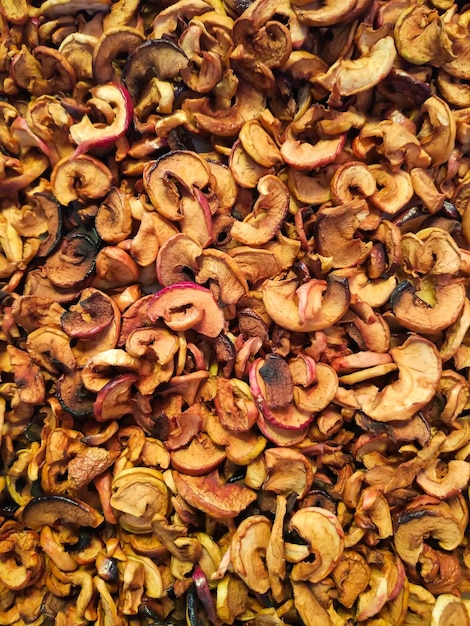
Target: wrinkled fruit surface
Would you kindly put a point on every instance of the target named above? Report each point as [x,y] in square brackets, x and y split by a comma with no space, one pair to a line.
[234,314]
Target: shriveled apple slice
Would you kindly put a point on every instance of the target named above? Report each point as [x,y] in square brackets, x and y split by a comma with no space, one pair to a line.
[114,400]
[82,177]
[245,171]
[450,609]
[352,180]
[200,457]
[92,314]
[234,404]
[259,144]
[287,416]
[315,305]
[348,77]
[419,372]
[197,218]
[306,156]
[165,179]
[218,266]
[280,436]
[88,135]
[114,220]
[335,232]
[176,258]
[444,480]
[395,188]
[209,494]
[324,535]
[187,305]
[268,213]
[318,396]
[164,58]
[248,552]
[255,264]
[326,14]
[102,367]
[241,448]
[289,472]
[385,584]
[157,341]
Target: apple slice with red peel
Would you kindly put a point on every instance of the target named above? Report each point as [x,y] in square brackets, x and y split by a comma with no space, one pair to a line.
[114,399]
[282,437]
[187,305]
[89,316]
[88,135]
[306,156]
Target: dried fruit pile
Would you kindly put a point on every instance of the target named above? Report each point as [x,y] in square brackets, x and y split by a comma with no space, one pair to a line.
[234,260]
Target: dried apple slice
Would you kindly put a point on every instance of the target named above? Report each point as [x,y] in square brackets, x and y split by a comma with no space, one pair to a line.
[287,416]
[327,14]
[187,305]
[268,213]
[91,315]
[245,171]
[248,552]
[177,258]
[73,262]
[82,178]
[259,144]
[113,43]
[165,178]
[325,537]
[241,448]
[165,58]
[46,510]
[348,77]
[306,156]
[419,372]
[114,400]
[217,266]
[209,494]
[200,457]
[88,135]
[418,316]
[113,221]
[289,472]
[235,405]
[317,396]
[315,305]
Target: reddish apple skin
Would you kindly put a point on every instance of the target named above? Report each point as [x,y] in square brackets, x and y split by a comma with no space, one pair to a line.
[88,137]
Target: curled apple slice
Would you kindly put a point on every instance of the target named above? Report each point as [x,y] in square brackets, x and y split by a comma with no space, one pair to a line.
[268,213]
[209,494]
[187,305]
[87,134]
[324,535]
[287,416]
[303,155]
[313,306]
[349,77]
